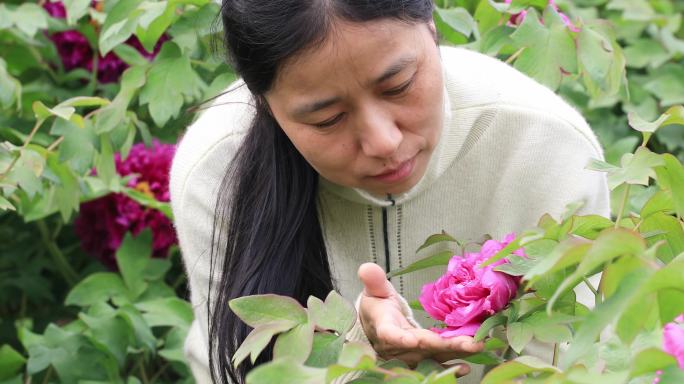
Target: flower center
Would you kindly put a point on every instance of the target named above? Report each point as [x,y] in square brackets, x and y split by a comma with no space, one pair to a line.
[144,187]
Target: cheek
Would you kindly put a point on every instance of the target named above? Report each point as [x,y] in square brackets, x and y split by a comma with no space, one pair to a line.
[330,154]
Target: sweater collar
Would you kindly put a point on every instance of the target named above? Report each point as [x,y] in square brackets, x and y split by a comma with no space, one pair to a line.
[455,130]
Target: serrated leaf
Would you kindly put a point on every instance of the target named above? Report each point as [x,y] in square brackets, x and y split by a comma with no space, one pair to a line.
[295,344]
[98,287]
[335,313]
[132,258]
[256,341]
[325,350]
[515,368]
[549,50]
[519,335]
[169,311]
[488,324]
[285,372]
[258,310]
[11,361]
[604,313]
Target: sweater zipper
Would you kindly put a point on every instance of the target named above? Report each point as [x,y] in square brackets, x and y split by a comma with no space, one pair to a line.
[385,236]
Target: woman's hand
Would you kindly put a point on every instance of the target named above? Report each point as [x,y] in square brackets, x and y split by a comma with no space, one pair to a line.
[391,333]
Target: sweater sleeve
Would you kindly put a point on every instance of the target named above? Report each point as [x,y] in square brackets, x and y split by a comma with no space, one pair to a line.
[201,160]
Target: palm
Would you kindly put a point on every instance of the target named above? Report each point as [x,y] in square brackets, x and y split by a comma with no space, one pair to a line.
[392,334]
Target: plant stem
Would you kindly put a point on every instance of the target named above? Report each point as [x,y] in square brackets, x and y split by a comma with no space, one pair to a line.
[62,264]
[515,55]
[26,143]
[625,196]
[47,375]
[590,286]
[555,354]
[159,373]
[143,375]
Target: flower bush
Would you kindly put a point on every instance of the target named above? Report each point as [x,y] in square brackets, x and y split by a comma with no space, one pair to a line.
[102,223]
[83,84]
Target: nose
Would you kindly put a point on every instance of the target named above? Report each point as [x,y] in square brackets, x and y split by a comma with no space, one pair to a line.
[379,134]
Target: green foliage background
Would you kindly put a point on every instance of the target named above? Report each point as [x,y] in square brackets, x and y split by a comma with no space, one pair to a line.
[65,318]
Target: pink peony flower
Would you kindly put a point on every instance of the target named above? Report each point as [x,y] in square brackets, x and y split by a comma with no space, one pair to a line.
[102,223]
[673,339]
[519,17]
[75,51]
[467,294]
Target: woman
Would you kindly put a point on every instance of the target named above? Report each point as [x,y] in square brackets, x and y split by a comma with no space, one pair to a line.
[350,138]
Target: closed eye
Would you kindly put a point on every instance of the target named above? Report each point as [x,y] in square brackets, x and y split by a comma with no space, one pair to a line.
[399,90]
[329,122]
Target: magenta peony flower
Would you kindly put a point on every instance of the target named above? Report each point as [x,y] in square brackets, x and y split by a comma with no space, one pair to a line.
[102,223]
[467,294]
[75,51]
[673,339]
[519,17]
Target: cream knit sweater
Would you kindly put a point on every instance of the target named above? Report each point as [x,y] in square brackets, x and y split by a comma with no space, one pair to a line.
[510,151]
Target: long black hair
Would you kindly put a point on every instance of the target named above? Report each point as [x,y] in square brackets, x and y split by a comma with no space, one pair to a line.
[267,236]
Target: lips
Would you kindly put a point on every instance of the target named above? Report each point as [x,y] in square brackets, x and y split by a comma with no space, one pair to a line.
[398,173]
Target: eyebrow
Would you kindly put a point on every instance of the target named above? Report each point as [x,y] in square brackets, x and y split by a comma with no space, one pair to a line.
[391,71]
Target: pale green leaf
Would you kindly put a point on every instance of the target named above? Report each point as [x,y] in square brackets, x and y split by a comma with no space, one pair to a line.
[257,340]
[335,313]
[259,310]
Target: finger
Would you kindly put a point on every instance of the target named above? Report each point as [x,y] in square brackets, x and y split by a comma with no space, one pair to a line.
[435,344]
[463,369]
[374,281]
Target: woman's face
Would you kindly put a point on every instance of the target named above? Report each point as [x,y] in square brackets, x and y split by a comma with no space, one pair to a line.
[365,109]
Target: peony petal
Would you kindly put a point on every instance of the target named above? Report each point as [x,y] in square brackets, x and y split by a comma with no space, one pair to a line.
[466,330]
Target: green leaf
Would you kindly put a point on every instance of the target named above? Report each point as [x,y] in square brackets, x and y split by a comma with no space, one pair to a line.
[484,358]
[148,201]
[635,168]
[111,333]
[507,250]
[259,310]
[336,313]
[488,324]
[257,340]
[168,80]
[75,9]
[98,287]
[295,344]
[675,172]
[130,55]
[650,360]
[667,84]
[646,52]
[519,335]
[155,20]
[549,50]
[438,259]
[30,18]
[285,372]
[169,311]
[122,20]
[11,362]
[325,350]
[460,20]
[520,366]
[5,205]
[673,236]
[660,202]
[132,258]
[353,353]
[604,313]
[589,226]
[142,331]
[611,244]
[435,239]
[601,60]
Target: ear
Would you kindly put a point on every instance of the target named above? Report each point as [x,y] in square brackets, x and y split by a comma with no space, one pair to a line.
[433,30]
